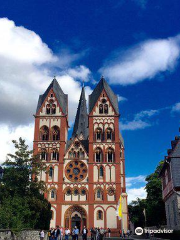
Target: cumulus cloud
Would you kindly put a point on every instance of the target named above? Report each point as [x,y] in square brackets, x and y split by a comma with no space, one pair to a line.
[9,134]
[134,193]
[143,61]
[140,120]
[27,66]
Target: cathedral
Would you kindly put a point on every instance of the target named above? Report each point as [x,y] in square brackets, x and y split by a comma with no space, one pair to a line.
[85,174]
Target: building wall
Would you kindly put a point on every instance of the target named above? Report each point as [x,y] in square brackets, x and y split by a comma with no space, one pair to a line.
[172,206]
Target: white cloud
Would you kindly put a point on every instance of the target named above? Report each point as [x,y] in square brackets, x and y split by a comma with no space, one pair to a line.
[140,120]
[134,180]
[121,99]
[176,107]
[80,72]
[142,62]
[9,134]
[21,44]
[134,193]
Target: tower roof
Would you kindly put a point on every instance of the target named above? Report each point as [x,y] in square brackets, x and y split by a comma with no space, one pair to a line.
[81,120]
[61,97]
[97,92]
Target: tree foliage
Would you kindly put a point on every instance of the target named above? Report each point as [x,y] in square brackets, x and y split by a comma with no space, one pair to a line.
[153,206]
[22,202]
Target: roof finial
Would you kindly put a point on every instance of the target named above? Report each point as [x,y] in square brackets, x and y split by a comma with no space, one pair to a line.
[83,83]
[54,77]
[102,77]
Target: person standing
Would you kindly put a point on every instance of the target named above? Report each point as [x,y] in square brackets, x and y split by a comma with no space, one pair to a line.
[67,233]
[62,233]
[84,233]
[76,233]
[109,232]
[41,235]
[93,233]
[58,233]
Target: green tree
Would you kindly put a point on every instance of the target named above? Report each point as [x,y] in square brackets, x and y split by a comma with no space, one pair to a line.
[22,202]
[136,215]
[155,208]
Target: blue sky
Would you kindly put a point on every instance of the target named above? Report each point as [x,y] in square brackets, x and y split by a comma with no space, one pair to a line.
[135,44]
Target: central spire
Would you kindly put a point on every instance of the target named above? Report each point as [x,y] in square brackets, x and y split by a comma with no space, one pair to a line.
[81,120]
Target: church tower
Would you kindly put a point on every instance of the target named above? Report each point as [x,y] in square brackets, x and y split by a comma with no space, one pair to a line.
[50,138]
[86,174]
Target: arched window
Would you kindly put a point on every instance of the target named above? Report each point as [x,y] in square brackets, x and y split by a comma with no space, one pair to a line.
[109,134]
[99,215]
[105,108]
[48,109]
[44,155]
[76,192]
[100,109]
[98,134]
[101,172]
[99,194]
[53,194]
[68,192]
[98,155]
[44,133]
[53,109]
[55,133]
[55,155]
[70,155]
[51,171]
[110,155]
[74,154]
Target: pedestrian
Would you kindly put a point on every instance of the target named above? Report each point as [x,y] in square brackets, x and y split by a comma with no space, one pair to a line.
[84,233]
[123,233]
[67,233]
[76,233]
[128,233]
[109,232]
[58,233]
[50,233]
[73,234]
[93,233]
[41,235]
[62,233]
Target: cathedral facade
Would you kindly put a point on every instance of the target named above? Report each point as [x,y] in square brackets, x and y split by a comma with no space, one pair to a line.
[85,175]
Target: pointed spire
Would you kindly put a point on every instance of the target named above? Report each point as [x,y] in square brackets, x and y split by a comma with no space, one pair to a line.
[81,120]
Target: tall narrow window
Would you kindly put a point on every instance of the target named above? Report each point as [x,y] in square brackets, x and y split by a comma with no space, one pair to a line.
[44,133]
[99,194]
[98,155]
[101,173]
[48,109]
[99,215]
[51,172]
[53,109]
[98,134]
[105,108]
[55,133]
[43,154]
[53,194]
[109,134]
[100,109]
[110,155]
[55,155]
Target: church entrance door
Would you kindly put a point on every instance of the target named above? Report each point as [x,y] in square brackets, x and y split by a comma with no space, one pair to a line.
[76,221]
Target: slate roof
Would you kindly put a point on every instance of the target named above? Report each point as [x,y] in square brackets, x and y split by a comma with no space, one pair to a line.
[61,97]
[98,90]
[81,120]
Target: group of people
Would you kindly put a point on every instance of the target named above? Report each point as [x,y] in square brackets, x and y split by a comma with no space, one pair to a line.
[96,233]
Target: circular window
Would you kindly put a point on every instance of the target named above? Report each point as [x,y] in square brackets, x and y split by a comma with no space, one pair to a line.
[103,100]
[110,191]
[76,171]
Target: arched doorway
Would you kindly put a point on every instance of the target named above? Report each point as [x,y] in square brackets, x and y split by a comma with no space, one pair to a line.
[75,216]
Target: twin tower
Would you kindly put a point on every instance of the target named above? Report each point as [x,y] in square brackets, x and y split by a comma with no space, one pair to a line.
[86,174]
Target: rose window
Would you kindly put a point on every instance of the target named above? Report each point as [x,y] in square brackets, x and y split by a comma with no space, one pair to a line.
[76,171]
